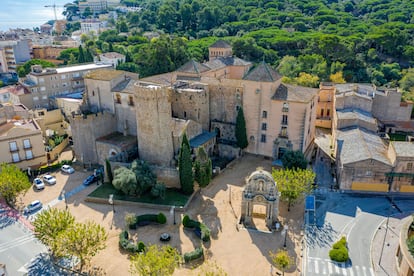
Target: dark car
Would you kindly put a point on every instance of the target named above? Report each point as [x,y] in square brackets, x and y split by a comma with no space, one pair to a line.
[89,180]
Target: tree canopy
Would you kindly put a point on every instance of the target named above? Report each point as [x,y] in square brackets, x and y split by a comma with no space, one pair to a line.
[24,69]
[12,182]
[293,184]
[156,260]
[185,167]
[294,160]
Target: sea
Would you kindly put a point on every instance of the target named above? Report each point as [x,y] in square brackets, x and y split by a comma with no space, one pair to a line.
[28,13]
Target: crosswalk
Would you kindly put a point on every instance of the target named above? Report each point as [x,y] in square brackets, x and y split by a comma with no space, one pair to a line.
[318,266]
[16,242]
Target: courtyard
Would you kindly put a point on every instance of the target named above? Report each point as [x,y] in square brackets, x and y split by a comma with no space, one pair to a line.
[236,250]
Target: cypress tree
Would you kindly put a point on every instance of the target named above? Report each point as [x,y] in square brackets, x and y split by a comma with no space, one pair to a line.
[81,56]
[109,171]
[241,135]
[185,167]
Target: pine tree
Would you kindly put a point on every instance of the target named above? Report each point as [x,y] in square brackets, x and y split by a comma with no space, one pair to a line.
[185,167]
[241,135]
[81,56]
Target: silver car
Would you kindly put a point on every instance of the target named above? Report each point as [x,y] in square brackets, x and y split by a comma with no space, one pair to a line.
[67,169]
[51,180]
[38,183]
[33,207]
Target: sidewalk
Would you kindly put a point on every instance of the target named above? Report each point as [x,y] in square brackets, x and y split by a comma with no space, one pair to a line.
[384,246]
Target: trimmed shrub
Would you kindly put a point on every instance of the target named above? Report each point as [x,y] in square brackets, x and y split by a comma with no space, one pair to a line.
[131,221]
[198,226]
[193,255]
[339,251]
[129,246]
[186,219]
[161,219]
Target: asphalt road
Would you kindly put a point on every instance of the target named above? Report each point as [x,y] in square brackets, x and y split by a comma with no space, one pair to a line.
[18,246]
[353,216]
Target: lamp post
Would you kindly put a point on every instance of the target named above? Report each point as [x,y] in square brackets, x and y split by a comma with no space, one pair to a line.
[111,201]
[64,198]
[174,215]
[286,234]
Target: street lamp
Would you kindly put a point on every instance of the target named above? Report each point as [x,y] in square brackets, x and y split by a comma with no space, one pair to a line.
[286,234]
[174,214]
[64,198]
[111,201]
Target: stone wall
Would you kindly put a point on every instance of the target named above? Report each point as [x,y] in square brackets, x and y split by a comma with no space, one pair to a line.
[168,175]
[387,106]
[226,131]
[353,100]
[86,129]
[192,102]
[229,151]
[224,100]
[154,124]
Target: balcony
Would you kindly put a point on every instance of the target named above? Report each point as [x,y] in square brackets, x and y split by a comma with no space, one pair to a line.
[283,135]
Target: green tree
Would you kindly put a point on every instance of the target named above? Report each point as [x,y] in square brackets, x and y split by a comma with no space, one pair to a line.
[240,131]
[282,260]
[81,56]
[407,81]
[156,260]
[202,168]
[49,225]
[109,171]
[83,240]
[146,179]
[24,69]
[12,182]
[185,167]
[294,160]
[87,13]
[126,181]
[293,184]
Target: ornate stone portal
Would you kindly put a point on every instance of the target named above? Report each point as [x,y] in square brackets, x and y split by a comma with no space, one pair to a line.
[260,189]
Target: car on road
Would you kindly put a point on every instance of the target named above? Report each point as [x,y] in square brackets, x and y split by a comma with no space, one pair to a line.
[38,183]
[51,180]
[33,207]
[90,179]
[67,169]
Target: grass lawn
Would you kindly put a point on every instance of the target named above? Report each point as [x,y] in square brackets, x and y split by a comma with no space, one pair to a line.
[397,136]
[172,196]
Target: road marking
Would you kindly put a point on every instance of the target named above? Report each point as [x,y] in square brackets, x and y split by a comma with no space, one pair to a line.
[16,242]
[316,266]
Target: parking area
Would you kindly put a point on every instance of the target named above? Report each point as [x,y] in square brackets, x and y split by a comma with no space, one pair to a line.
[51,194]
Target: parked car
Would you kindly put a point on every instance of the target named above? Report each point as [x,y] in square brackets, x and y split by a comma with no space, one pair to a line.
[38,183]
[33,207]
[67,169]
[51,180]
[90,179]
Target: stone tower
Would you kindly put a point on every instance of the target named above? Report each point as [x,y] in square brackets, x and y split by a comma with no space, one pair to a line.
[154,123]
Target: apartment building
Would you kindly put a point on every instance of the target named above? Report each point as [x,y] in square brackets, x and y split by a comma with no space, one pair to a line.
[21,142]
[48,82]
[13,53]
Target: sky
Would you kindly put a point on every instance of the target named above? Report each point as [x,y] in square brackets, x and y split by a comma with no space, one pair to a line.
[28,13]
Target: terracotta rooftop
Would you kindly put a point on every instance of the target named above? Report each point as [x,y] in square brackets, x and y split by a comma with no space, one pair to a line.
[262,72]
[104,74]
[293,93]
[7,127]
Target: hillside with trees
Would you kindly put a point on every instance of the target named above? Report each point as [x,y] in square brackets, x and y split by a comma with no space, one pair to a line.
[321,40]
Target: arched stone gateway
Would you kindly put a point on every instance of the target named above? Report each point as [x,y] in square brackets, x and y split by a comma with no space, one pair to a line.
[260,189]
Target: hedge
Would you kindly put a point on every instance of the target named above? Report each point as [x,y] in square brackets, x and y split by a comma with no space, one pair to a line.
[193,255]
[339,251]
[53,167]
[129,246]
[205,231]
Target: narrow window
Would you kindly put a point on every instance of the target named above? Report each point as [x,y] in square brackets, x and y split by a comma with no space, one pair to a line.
[26,144]
[13,146]
[264,114]
[118,98]
[264,126]
[263,138]
[322,111]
